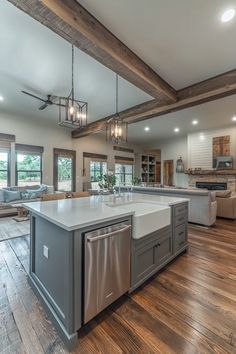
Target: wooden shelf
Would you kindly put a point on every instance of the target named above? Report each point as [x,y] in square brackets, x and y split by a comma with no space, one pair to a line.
[212,172]
[148,163]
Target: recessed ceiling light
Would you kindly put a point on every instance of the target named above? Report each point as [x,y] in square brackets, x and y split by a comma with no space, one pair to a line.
[147,129]
[1,98]
[228,15]
[176,130]
[234,118]
[195,122]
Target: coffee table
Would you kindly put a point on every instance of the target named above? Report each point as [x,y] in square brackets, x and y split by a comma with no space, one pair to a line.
[23,213]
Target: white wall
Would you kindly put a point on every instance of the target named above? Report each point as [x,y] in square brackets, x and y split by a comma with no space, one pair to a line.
[172,149]
[200,147]
[36,133]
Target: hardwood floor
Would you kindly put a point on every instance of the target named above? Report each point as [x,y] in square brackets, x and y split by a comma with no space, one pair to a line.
[190,307]
[10,228]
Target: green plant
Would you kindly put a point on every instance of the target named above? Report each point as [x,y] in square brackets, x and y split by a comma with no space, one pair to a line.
[107,181]
[136,181]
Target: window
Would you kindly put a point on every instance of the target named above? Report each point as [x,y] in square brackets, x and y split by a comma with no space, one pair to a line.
[124,174]
[28,169]
[4,169]
[64,170]
[97,169]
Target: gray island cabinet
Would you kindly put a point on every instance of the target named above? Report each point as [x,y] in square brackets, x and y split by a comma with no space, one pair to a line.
[153,252]
[58,269]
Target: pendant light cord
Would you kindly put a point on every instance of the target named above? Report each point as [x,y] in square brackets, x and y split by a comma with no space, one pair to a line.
[72,72]
[117,88]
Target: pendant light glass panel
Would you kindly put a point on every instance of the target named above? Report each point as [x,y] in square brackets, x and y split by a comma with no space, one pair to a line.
[116,128]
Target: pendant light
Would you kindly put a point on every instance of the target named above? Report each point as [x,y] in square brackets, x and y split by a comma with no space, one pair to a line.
[116,128]
[72,112]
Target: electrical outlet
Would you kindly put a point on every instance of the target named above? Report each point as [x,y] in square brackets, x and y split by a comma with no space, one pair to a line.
[45,251]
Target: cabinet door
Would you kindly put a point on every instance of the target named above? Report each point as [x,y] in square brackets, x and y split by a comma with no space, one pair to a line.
[163,249]
[143,262]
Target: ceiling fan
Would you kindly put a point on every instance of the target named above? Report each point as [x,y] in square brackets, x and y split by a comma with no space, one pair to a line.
[48,102]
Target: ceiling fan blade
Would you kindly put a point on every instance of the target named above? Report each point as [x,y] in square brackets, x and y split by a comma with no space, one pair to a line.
[52,98]
[43,106]
[31,95]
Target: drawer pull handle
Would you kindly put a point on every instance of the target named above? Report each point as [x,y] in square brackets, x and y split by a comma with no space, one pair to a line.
[157,245]
[181,233]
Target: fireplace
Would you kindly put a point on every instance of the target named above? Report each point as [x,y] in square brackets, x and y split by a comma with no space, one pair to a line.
[219,186]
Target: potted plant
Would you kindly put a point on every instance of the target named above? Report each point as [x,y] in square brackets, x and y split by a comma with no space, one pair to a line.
[136,181]
[107,181]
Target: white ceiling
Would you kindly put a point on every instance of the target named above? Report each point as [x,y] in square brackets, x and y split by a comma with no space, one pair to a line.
[35,59]
[183,40]
[211,115]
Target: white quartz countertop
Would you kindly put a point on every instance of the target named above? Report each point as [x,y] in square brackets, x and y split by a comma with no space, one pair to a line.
[76,213]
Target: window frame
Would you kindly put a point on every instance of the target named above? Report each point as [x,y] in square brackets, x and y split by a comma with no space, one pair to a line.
[36,171]
[101,169]
[64,153]
[8,166]
[124,174]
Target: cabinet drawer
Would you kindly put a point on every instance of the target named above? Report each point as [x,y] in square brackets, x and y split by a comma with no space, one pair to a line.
[180,209]
[180,237]
[181,218]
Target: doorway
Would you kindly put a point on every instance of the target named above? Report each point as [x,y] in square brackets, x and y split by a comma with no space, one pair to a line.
[168,172]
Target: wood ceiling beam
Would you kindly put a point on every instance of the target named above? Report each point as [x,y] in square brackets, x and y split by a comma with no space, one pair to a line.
[209,90]
[74,23]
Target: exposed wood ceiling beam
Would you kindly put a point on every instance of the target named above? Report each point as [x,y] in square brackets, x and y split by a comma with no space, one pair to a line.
[212,89]
[74,23]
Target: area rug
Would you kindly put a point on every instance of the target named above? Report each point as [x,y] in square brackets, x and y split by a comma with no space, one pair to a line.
[10,228]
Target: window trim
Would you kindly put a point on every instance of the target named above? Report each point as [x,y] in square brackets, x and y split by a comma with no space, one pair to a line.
[101,162]
[28,153]
[124,174]
[64,153]
[8,170]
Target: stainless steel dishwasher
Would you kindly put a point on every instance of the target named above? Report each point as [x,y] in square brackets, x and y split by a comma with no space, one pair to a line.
[107,267]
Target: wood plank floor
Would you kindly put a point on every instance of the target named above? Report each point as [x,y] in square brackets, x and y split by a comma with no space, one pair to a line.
[10,228]
[190,307]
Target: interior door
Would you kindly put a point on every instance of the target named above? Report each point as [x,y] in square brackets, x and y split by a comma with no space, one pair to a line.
[168,172]
[158,172]
[64,170]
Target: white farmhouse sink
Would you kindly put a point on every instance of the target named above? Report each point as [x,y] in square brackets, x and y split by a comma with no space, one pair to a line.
[147,217]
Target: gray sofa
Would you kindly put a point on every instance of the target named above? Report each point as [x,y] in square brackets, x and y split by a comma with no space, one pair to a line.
[18,195]
[202,203]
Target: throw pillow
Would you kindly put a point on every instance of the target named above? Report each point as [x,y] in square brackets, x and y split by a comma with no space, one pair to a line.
[11,196]
[24,195]
[2,199]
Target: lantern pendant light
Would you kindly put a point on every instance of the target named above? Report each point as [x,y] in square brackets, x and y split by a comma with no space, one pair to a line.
[72,112]
[116,128]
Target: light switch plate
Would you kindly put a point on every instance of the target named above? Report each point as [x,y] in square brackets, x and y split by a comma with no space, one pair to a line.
[45,251]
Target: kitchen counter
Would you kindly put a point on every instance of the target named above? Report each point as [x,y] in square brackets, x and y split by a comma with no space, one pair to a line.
[87,252]
[72,214]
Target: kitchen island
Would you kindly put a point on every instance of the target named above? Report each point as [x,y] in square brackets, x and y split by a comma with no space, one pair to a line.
[87,252]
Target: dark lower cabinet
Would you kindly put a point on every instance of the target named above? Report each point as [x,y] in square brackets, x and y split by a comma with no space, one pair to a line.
[149,253]
[163,249]
[153,252]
